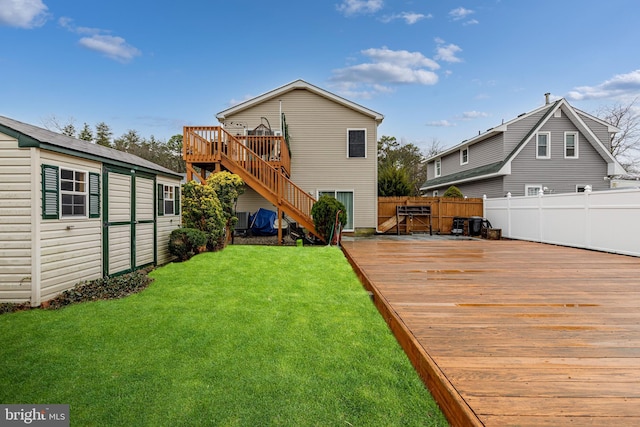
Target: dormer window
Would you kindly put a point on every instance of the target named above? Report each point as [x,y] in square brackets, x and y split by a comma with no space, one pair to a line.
[464,156]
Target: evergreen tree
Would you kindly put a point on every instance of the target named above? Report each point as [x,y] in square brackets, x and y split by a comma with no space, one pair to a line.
[86,134]
[103,134]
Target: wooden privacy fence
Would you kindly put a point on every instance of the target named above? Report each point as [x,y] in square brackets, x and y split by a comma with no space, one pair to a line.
[443,210]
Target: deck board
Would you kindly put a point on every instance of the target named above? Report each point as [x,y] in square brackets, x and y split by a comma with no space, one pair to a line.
[509,332]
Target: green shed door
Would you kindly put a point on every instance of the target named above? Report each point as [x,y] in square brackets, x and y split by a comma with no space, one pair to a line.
[129,236]
[118,236]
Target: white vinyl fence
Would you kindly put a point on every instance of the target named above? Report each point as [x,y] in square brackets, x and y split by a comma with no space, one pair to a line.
[605,220]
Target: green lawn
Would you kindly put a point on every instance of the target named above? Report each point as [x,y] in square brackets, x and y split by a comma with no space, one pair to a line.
[249,336]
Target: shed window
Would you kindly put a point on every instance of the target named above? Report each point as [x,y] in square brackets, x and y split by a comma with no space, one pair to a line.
[168,200]
[356,143]
[68,193]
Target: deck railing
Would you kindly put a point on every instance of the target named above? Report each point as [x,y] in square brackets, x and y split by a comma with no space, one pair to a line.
[260,160]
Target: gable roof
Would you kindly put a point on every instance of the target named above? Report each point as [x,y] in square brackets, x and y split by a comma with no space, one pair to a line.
[33,136]
[298,84]
[504,167]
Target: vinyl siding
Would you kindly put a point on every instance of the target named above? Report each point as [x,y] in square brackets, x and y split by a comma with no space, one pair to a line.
[15,221]
[599,130]
[516,131]
[71,249]
[480,154]
[165,225]
[251,201]
[490,187]
[557,173]
[318,130]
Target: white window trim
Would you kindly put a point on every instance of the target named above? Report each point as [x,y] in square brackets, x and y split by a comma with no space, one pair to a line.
[435,193]
[437,168]
[583,187]
[365,143]
[548,156]
[165,199]
[353,195]
[85,192]
[576,145]
[528,186]
[462,161]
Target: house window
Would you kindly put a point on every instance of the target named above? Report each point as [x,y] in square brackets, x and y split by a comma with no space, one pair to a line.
[571,145]
[438,167]
[69,193]
[543,148]
[435,193]
[168,200]
[532,190]
[581,188]
[356,143]
[464,156]
[346,198]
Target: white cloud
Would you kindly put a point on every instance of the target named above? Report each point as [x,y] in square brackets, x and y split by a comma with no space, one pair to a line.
[441,124]
[23,13]
[111,46]
[468,115]
[99,40]
[460,13]
[353,7]
[447,52]
[409,17]
[619,86]
[385,67]
[472,22]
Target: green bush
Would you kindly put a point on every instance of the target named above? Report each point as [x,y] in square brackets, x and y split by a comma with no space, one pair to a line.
[228,188]
[393,182]
[324,215]
[454,192]
[202,210]
[184,242]
[102,289]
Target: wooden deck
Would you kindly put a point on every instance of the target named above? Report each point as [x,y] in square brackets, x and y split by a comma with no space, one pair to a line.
[512,333]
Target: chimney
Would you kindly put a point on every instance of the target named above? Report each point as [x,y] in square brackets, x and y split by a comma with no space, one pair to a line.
[546,98]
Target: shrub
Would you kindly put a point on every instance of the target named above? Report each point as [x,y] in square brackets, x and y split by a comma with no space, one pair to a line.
[184,242]
[454,192]
[228,188]
[102,289]
[393,182]
[202,210]
[324,215]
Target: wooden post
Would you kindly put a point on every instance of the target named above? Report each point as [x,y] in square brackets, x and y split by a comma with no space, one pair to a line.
[279,226]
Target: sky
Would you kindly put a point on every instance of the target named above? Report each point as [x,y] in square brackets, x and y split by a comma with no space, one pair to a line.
[438,70]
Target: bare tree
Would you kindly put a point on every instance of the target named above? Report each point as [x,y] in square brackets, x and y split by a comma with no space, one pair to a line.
[53,123]
[625,145]
[434,148]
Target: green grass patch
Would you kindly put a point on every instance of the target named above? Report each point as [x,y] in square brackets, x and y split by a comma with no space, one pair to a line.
[243,337]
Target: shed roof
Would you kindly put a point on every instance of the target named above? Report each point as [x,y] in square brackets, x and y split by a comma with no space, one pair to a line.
[298,84]
[34,136]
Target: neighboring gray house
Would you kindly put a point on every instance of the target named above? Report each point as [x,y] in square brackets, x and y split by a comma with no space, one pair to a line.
[72,211]
[555,148]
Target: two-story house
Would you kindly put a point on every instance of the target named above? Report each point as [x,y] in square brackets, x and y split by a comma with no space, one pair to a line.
[555,148]
[291,145]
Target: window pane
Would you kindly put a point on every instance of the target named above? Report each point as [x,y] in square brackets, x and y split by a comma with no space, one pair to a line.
[346,198]
[66,185]
[168,207]
[357,143]
[66,174]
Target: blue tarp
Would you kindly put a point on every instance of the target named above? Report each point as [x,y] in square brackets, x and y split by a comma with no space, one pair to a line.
[261,223]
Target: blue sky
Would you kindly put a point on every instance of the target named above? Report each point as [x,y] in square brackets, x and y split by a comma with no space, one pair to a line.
[436,69]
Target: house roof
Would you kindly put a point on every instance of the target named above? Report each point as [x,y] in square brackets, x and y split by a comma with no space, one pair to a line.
[504,167]
[298,84]
[33,136]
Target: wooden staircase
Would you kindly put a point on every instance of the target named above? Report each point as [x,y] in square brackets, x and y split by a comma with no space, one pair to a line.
[263,162]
